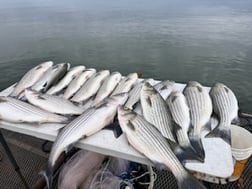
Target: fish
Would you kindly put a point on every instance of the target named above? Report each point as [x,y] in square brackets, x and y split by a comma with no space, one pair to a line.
[50,77]
[156,111]
[138,108]
[8,90]
[70,75]
[181,117]
[51,103]
[77,82]
[31,77]
[126,84]
[91,87]
[17,111]
[134,94]
[78,168]
[165,88]
[226,107]
[146,139]
[107,87]
[91,121]
[200,105]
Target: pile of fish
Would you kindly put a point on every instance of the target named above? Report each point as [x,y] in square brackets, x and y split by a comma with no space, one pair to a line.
[164,121]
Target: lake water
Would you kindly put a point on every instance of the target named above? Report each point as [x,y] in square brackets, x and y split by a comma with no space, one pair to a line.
[199,40]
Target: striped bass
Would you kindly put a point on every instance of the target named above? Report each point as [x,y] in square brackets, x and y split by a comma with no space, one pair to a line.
[107,87]
[31,77]
[134,94]
[90,122]
[225,106]
[181,117]
[91,87]
[200,105]
[14,110]
[145,138]
[70,75]
[77,82]
[165,88]
[126,84]
[50,77]
[156,111]
[51,103]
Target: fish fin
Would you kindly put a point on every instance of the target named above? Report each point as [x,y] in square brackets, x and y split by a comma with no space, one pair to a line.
[199,89]
[45,84]
[207,127]
[197,145]
[184,153]
[38,67]
[175,129]
[173,98]
[190,130]
[226,89]
[68,119]
[71,146]
[115,127]
[97,74]
[163,88]
[48,174]
[221,132]
[236,121]
[41,98]
[148,100]
[189,182]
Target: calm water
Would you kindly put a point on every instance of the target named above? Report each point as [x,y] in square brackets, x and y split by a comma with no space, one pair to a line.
[201,40]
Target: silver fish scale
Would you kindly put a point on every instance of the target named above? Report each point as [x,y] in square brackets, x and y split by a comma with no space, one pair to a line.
[179,110]
[134,95]
[91,121]
[225,104]
[68,129]
[125,84]
[26,107]
[52,103]
[30,109]
[154,139]
[79,81]
[198,103]
[87,90]
[182,137]
[161,117]
[31,77]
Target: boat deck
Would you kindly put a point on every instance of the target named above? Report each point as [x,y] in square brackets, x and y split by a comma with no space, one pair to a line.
[29,156]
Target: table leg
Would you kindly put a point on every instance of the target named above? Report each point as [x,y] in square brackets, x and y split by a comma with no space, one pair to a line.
[12,160]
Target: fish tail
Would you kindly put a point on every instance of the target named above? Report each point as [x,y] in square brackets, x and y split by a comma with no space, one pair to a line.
[48,173]
[190,182]
[221,132]
[197,146]
[192,155]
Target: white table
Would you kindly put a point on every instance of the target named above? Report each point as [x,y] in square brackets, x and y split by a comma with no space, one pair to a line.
[102,142]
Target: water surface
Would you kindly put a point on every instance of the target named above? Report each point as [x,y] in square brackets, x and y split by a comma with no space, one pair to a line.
[206,41]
